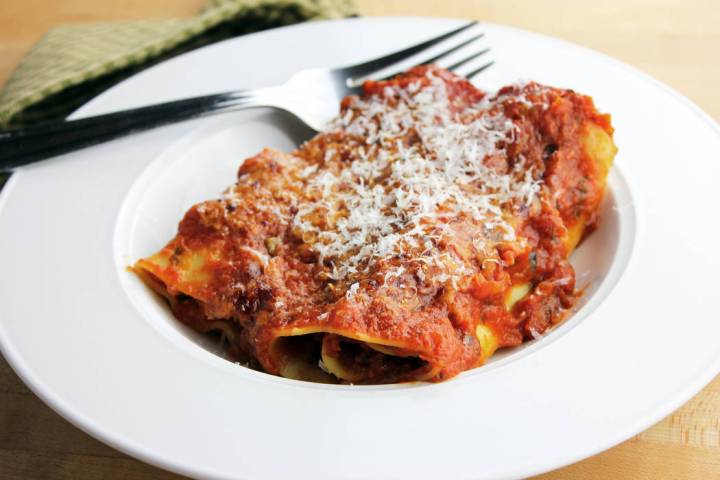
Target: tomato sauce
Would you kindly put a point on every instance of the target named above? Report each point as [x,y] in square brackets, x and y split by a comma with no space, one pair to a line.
[260,273]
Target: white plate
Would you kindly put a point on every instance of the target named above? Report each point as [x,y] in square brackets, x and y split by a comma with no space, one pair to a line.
[93,343]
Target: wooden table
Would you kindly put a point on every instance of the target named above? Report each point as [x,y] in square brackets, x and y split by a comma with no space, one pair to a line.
[677,42]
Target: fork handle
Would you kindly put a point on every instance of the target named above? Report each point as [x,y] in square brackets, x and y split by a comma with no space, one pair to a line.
[27,145]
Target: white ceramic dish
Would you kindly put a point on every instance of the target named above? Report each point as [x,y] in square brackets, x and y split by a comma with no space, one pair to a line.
[100,349]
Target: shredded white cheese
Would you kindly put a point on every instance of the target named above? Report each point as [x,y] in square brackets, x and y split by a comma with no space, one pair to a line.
[423,166]
[352,291]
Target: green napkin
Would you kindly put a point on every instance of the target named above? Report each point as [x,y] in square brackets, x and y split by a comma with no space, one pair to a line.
[73,63]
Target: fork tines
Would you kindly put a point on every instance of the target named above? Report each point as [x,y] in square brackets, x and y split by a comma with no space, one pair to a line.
[393,63]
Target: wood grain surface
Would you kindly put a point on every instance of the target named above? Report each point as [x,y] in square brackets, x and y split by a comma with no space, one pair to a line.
[676,41]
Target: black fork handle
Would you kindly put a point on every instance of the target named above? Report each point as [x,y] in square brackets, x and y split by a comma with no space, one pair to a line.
[27,145]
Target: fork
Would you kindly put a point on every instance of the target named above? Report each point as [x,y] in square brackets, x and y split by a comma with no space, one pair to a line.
[311,95]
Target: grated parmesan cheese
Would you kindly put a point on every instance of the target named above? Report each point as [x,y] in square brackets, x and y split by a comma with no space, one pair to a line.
[419,167]
[352,291]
